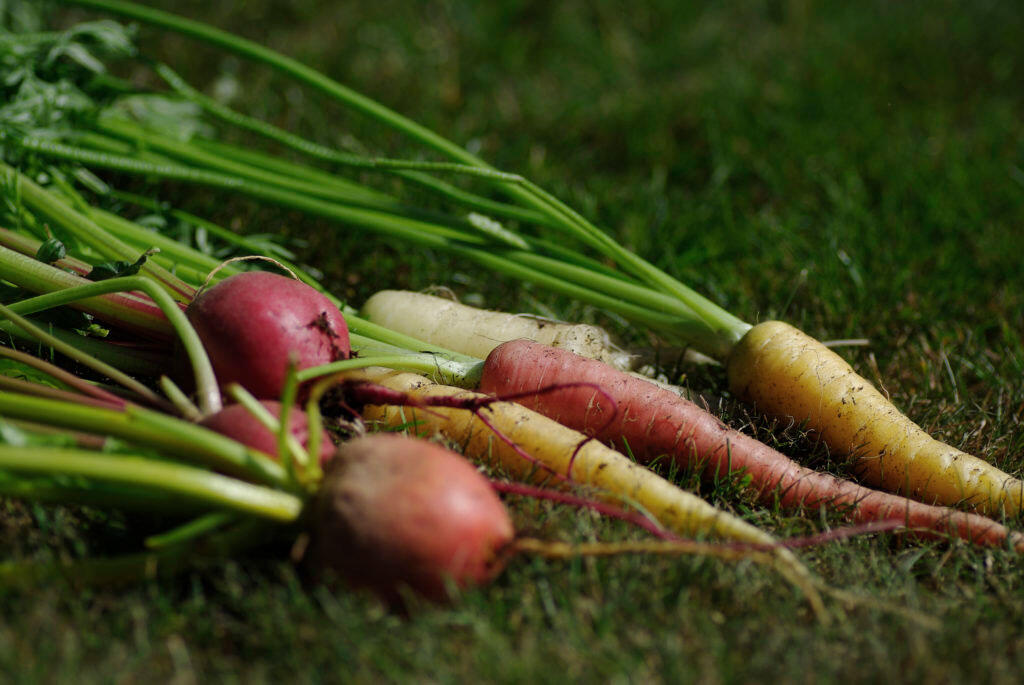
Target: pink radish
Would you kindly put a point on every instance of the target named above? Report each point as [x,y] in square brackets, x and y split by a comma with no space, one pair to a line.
[237,423]
[253,324]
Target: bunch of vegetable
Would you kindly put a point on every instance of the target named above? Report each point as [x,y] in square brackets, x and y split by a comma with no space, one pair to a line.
[48,177]
[772,365]
[265,336]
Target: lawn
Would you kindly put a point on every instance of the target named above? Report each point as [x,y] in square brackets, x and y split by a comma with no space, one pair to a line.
[854,168]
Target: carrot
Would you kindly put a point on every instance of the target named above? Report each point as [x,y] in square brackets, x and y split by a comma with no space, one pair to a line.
[476,332]
[784,371]
[651,422]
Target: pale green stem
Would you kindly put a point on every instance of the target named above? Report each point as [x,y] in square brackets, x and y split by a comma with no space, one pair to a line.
[190,483]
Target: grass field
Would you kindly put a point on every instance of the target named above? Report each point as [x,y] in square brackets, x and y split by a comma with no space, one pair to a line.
[856,168]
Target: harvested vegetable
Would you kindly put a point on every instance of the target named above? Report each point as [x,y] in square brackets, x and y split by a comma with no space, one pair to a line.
[553,449]
[398,512]
[531,446]
[784,371]
[642,293]
[476,332]
[255,324]
[652,422]
[238,423]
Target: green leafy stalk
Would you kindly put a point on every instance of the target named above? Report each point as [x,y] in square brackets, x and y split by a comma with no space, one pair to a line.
[206,382]
[725,329]
[153,429]
[190,483]
[62,214]
[81,357]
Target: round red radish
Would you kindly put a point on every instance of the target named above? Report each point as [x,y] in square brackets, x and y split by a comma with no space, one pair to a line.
[396,511]
[253,323]
[237,423]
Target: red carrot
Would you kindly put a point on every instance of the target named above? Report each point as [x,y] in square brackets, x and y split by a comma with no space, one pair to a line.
[652,422]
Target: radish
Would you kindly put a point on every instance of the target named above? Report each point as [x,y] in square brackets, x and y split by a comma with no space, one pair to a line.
[238,423]
[255,324]
[395,511]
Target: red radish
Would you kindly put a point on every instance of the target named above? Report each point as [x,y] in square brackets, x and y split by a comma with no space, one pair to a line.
[395,511]
[252,324]
[654,422]
[237,423]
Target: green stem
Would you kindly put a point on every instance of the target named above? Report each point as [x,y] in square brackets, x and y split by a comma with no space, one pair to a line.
[295,451]
[62,214]
[81,357]
[723,325]
[150,429]
[191,484]
[206,383]
[65,377]
[127,310]
[135,567]
[190,531]
[326,154]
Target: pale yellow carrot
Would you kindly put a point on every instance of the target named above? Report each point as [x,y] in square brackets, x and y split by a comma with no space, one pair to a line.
[786,372]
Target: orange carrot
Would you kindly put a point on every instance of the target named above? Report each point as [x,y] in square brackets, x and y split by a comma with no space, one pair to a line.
[651,422]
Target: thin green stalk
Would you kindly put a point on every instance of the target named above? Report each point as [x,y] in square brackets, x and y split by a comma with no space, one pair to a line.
[185,406]
[206,382]
[293,450]
[132,361]
[60,489]
[219,231]
[19,385]
[326,154]
[456,369]
[65,377]
[64,215]
[189,483]
[81,357]
[195,528]
[135,567]
[150,429]
[34,276]
[467,374]
[390,224]
[183,150]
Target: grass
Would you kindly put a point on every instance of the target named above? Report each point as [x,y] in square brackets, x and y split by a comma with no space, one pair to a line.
[855,168]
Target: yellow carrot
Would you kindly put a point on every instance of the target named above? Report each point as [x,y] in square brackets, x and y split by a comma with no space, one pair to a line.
[784,371]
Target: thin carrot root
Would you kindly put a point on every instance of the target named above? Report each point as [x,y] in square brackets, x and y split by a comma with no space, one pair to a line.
[596,465]
[783,371]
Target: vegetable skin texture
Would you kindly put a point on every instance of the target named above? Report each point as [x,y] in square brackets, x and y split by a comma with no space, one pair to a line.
[238,423]
[395,511]
[553,445]
[476,332]
[254,324]
[654,422]
[783,371]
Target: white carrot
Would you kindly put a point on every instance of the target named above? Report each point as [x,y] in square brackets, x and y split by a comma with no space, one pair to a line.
[476,332]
